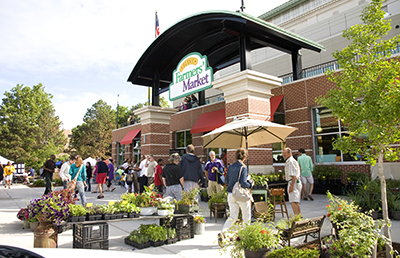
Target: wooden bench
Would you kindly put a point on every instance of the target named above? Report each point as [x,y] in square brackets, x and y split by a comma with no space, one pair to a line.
[306,227]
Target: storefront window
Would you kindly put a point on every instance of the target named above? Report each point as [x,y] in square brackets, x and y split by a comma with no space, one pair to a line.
[327,128]
[183,139]
[277,149]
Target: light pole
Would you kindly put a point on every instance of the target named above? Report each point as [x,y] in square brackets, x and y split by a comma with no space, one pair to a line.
[117,108]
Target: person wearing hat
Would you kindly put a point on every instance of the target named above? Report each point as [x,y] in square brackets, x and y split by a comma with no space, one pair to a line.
[158,176]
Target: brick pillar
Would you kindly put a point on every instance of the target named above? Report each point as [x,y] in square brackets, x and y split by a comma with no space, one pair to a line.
[247,94]
[155,134]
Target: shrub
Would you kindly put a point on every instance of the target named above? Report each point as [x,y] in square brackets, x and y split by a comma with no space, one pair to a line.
[39,183]
[290,251]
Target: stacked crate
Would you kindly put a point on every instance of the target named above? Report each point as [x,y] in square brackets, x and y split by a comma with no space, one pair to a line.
[183,225]
[90,236]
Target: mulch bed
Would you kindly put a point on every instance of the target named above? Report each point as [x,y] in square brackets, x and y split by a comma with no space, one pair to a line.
[315,245]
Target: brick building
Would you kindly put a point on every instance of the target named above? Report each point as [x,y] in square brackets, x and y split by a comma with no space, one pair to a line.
[264,84]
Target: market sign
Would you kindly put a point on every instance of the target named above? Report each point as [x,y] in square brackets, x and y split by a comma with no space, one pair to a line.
[192,74]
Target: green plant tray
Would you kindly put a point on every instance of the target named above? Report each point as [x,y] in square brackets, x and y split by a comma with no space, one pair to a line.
[136,245]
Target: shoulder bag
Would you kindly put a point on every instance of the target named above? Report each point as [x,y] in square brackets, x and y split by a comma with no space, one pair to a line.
[72,184]
[239,193]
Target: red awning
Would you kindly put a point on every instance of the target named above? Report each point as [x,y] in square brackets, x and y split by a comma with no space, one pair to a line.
[274,103]
[209,121]
[129,137]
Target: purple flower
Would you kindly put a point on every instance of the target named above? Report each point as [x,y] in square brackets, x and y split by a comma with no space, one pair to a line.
[238,239]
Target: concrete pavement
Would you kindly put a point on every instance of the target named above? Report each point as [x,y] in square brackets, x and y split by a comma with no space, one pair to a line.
[13,234]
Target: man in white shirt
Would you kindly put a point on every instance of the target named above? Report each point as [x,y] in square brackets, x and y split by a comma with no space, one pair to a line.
[292,175]
[150,170]
[64,171]
[144,162]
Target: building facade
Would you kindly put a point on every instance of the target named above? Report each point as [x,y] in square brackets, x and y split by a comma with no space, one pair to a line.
[266,92]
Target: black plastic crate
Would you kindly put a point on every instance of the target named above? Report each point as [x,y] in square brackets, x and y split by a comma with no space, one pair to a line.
[90,232]
[136,245]
[184,222]
[156,243]
[64,227]
[98,244]
[93,217]
[185,233]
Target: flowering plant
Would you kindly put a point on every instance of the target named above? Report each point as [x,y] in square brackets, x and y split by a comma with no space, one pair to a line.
[189,197]
[199,219]
[148,198]
[252,237]
[358,232]
[23,214]
[53,207]
[165,204]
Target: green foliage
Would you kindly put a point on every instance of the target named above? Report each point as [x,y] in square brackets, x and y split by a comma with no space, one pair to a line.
[124,206]
[30,130]
[290,251]
[107,209]
[189,197]
[138,237]
[252,237]
[39,183]
[93,138]
[221,197]
[358,231]
[259,179]
[327,172]
[171,233]
[367,195]
[58,181]
[96,209]
[356,177]
[153,232]
[287,223]
[77,210]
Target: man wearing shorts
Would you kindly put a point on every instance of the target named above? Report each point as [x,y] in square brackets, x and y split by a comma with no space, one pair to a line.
[9,170]
[306,167]
[292,175]
[102,172]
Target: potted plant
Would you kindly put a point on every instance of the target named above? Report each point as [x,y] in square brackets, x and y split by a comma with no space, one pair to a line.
[204,195]
[156,234]
[188,203]
[260,181]
[23,216]
[49,210]
[254,240]
[218,201]
[77,213]
[396,210]
[284,224]
[147,201]
[108,211]
[165,206]
[171,236]
[127,210]
[137,240]
[94,213]
[199,223]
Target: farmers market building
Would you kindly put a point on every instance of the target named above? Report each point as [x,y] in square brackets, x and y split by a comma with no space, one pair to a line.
[237,65]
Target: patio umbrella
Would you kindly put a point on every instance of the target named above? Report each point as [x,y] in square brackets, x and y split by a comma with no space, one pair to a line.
[245,133]
[91,160]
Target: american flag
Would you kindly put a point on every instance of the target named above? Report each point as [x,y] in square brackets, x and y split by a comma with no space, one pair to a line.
[157,26]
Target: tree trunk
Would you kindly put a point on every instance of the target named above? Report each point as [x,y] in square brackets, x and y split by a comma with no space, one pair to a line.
[386,229]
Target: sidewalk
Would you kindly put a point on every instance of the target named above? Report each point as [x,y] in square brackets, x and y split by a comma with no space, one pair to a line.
[12,233]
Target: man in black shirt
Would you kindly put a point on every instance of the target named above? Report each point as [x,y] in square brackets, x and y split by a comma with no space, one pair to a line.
[48,170]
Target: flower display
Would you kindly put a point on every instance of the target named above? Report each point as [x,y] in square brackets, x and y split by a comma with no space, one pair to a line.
[199,219]
[23,214]
[52,207]
[148,198]
[251,237]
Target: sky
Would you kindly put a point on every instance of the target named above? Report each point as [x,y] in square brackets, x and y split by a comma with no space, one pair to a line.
[84,51]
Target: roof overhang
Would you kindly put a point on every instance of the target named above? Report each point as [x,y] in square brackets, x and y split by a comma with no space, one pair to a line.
[214,34]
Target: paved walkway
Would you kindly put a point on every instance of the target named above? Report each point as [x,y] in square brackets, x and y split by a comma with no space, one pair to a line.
[12,232]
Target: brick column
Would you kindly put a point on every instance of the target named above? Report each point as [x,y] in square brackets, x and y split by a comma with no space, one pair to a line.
[155,134]
[247,94]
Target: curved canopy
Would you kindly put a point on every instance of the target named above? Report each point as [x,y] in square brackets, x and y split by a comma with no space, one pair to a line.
[217,34]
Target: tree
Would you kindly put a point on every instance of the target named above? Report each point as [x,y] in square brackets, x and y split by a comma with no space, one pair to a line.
[94,137]
[367,94]
[30,131]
